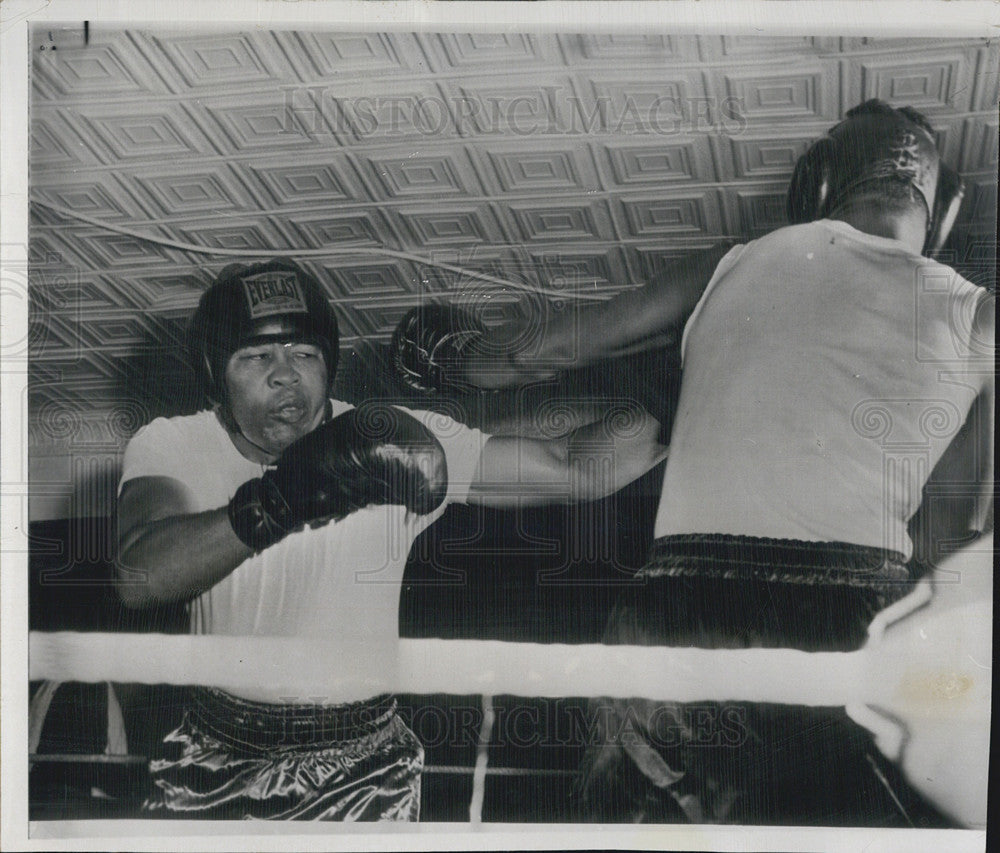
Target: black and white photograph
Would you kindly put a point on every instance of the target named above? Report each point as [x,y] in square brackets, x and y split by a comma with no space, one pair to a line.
[539,425]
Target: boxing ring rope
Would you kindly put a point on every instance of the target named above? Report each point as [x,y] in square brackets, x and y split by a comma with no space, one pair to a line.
[932,649]
[927,664]
[458,667]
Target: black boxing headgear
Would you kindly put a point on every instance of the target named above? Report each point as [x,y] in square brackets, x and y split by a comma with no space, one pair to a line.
[876,142]
[244,300]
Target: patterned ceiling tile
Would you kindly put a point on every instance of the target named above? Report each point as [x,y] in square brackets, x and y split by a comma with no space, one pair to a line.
[763,156]
[538,168]
[326,228]
[689,213]
[876,44]
[510,264]
[129,131]
[948,136]
[756,210]
[563,220]
[460,225]
[987,84]
[336,56]
[930,81]
[646,48]
[653,260]
[979,207]
[671,160]
[70,385]
[256,235]
[395,111]
[327,178]
[534,159]
[107,66]
[375,317]
[207,190]
[101,250]
[102,195]
[269,120]
[981,140]
[116,333]
[214,60]
[576,270]
[56,337]
[659,105]
[55,144]
[763,48]
[161,291]
[420,175]
[464,51]
[357,279]
[46,248]
[71,295]
[521,106]
[62,244]
[807,91]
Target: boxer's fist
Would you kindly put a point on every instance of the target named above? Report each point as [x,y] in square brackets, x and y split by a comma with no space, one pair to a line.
[432,345]
[374,454]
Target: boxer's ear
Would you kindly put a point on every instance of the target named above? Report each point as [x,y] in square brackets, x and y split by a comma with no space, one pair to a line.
[809,190]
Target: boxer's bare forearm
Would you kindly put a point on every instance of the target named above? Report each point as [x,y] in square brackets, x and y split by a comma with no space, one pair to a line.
[637,319]
[592,462]
[167,553]
[958,500]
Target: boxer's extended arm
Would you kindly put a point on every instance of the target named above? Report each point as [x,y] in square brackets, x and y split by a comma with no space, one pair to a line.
[590,463]
[166,552]
[637,319]
[373,454]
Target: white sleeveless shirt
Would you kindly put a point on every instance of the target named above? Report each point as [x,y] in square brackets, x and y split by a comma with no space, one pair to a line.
[825,371]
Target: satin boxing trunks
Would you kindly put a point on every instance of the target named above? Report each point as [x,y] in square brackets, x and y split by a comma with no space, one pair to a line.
[232,759]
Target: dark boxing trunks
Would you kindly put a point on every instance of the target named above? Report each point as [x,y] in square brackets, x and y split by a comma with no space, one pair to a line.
[234,759]
[740,762]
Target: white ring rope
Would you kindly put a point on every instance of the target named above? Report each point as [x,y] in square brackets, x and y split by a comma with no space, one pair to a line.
[933,648]
[367,251]
[935,668]
[345,672]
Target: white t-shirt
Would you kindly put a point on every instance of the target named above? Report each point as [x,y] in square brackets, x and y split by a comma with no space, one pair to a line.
[825,372]
[341,580]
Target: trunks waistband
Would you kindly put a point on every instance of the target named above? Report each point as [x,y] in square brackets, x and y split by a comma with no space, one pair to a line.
[257,725]
[719,555]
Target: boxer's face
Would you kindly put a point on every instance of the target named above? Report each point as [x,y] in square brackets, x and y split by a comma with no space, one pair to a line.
[276,391]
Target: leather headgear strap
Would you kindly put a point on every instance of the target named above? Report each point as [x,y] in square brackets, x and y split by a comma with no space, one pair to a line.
[876,142]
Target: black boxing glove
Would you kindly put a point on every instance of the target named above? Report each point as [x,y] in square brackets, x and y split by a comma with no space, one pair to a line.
[374,454]
[430,346]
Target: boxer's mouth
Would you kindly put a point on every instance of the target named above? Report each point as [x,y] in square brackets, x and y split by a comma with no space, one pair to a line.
[289,411]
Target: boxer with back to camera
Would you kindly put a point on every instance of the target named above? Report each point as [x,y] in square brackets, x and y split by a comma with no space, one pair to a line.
[784,520]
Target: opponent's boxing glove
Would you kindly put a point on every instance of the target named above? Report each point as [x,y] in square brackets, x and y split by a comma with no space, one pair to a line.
[430,347]
[374,454]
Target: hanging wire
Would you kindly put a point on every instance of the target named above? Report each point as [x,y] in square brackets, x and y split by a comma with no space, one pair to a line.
[367,251]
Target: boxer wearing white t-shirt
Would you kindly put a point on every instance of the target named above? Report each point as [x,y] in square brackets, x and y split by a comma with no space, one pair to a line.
[280,512]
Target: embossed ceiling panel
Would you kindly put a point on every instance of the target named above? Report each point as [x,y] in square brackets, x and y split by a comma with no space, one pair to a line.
[579,163]
[808,91]
[524,169]
[676,159]
[931,81]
